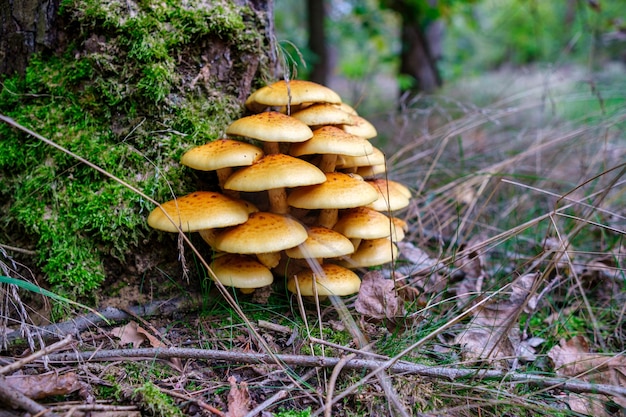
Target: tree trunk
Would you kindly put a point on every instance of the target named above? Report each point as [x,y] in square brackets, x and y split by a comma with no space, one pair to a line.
[129,86]
[316,18]
[419,56]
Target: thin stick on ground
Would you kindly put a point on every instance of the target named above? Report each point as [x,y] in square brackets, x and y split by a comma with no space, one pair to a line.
[397,366]
[279,395]
[333,380]
[31,358]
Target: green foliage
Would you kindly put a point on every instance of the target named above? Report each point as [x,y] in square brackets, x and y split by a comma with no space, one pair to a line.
[118,97]
[156,402]
[294,413]
[492,33]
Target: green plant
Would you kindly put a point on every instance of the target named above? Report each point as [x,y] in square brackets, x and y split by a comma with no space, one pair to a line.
[156,402]
[119,97]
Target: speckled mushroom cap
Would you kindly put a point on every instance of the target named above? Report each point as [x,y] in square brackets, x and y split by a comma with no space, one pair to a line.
[332,140]
[391,195]
[334,280]
[275,171]
[377,157]
[360,127]
[322,243]
[363,223]
[221,153]
[199,210]
[271,127]
[283,93]
[338,192]
[371,252]
[323,114]
[241,271]
[262,232]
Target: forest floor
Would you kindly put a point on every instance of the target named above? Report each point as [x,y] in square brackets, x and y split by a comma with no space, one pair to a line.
[508,296]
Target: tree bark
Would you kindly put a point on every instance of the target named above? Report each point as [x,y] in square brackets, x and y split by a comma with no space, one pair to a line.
[26,27]
[113,80]
[316,17]
[418,59]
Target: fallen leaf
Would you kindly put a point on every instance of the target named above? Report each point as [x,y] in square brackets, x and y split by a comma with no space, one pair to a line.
[238,399]
[134,334]
[45,385]
[572,358]
[154,342]
[493,333]
[378,297]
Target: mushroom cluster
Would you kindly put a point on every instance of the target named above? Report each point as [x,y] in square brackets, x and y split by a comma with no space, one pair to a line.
[304,158]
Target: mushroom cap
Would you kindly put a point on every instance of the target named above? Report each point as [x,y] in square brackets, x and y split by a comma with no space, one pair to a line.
[221,153]
[332,140]
[263,232]
[322,243]
[391,195]
[372,252]
[363,223]
[271,126]
[323,114]
[241,271]
[360,127]
[400,227]
[377,157]
[335,280]
[283,93]
[347,108]
[371,170]
[199,210]
[275,171]
[339,191]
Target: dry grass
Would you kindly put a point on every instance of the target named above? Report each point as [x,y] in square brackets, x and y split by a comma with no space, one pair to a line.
[526,178]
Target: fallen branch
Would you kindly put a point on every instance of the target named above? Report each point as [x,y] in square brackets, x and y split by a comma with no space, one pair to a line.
[107,316]
[30,358]
[399,367]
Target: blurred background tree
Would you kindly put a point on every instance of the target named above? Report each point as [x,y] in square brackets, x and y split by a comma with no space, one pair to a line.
[368,47]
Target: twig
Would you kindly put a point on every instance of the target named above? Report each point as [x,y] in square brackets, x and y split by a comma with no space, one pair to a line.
[398,367]
[16,399]
[198,401]
[279,395]
[19,250]
[81,323]
[31,358]
[333,380]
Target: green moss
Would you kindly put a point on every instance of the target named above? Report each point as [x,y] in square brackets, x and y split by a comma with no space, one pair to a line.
[121,96]
[156,402]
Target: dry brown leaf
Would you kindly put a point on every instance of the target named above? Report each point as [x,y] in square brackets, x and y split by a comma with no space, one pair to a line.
[378,297]
[134,334]
[493,333]
[129,334]
[238,399]
[45,385]
[154,342]
[572,358]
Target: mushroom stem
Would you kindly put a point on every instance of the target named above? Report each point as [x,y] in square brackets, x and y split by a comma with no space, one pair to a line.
[271,148]
[277,196]
[328,218]
[327,164]
[278,200]
[222,176]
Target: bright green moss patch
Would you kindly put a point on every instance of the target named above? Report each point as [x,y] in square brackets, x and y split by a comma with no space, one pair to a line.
[130,93]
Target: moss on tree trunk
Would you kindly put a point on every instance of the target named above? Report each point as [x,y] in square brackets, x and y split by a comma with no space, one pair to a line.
[129,86]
